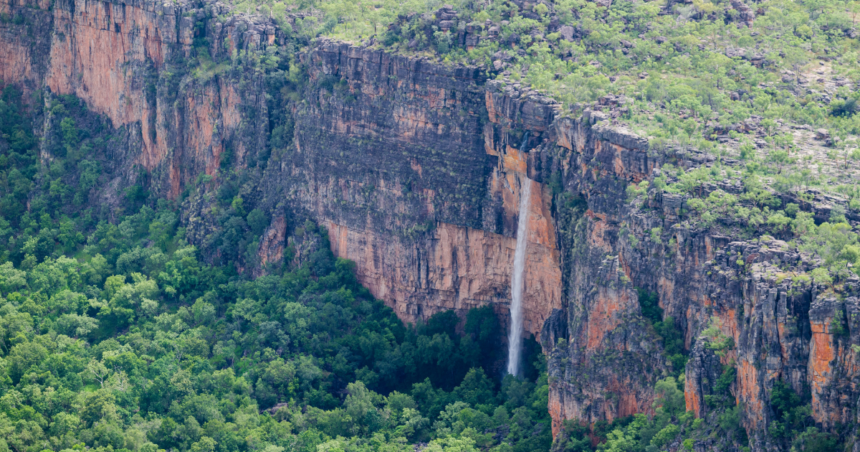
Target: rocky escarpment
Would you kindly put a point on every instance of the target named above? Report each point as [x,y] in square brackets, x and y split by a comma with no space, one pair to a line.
[781,328]
[387,152]
[605,358]
[415,169]
[392,159]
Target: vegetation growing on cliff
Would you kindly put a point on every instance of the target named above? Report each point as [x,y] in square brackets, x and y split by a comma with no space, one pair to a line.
[768,89]
[666,330]
[746,86]
[723,198]
[690,72]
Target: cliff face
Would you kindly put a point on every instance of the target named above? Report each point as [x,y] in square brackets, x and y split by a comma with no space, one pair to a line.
[394,162]
[416,169]
[129,62]
[781,329]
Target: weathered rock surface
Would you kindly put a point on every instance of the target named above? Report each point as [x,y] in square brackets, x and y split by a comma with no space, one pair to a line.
[415,170]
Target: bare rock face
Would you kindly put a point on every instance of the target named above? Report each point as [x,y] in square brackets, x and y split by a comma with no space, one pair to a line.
[415,169]
[747,15]
[125,60]
[272,242]
[431,208]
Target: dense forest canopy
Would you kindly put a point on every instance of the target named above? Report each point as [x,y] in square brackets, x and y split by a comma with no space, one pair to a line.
[115,336]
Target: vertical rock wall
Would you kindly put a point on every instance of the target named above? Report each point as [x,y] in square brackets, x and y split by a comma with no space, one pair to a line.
[129,61]
[392,159]
[415,170]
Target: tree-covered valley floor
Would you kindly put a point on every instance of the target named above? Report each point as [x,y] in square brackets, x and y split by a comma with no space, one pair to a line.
[116,334]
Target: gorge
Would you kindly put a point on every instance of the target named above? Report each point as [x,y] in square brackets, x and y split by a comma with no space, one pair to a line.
[453,188]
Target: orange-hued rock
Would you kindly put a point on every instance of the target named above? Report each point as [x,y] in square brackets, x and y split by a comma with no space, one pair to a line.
[22,42]
[750,393]
[455,267]
[691,398]
[832,368]
[15,63]
[729,327]
[92,48]
[556,413]
[605,314]
[515,160]
[16,66]
[620,163]
[210,111]
[112,56]
[414,187]
[821,356]
[93,56]
[272,242]
[610,365]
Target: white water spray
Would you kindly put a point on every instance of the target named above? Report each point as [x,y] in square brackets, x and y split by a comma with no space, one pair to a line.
[517,279]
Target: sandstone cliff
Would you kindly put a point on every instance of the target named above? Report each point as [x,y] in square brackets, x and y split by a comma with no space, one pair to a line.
[415,169]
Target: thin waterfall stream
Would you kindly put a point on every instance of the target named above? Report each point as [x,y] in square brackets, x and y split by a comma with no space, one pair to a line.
[518,279]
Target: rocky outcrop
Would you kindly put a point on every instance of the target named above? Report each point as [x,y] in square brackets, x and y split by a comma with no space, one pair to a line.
[780,330]
[25,34]
[416,168]
[605,362]
[272,243]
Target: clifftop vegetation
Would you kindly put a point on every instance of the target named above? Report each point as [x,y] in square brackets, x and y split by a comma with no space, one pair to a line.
[689,73]
[768,90]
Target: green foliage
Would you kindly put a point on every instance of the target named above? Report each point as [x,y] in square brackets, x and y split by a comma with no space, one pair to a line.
[813,440]
[844,108]
[793,424]
[669,334]
[730,422]
[721,396]
[134,343]
[197,353]
[716,339]
[656,234]
[637,433]
[636,190]
[837,324]
[18,158]
[650,305]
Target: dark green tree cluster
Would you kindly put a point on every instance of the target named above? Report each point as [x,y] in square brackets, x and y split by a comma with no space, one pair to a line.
[45,203]
[18,161]
[794,426]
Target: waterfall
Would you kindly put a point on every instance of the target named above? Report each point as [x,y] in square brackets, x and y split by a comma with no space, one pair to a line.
[517,280]
[525,141]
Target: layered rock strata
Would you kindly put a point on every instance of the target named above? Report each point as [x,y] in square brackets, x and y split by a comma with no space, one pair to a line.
[413,168]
